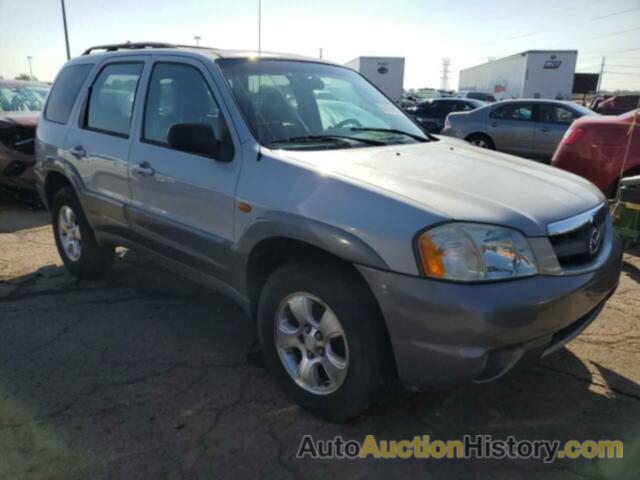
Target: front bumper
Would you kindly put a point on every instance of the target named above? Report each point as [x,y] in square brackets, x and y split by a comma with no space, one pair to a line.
[446,333]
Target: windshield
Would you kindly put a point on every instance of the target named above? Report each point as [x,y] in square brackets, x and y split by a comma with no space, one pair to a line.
[22,98]
[306,105]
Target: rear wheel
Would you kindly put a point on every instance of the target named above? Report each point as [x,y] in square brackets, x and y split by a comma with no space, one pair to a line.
[481,140]
[324,339]
[75,239]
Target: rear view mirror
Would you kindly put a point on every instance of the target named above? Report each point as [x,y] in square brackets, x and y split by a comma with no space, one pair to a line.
[193,138]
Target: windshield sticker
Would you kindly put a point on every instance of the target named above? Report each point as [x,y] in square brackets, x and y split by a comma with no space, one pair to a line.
[388,108]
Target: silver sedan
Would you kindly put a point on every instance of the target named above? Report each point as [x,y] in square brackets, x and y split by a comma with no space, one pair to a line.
[529,128]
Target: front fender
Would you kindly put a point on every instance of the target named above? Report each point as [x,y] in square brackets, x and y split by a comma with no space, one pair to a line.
[326,237]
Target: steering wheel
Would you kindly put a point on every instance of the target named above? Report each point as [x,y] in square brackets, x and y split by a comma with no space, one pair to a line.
[348,121]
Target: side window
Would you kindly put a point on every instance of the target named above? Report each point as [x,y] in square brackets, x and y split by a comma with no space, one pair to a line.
[517,111]
[65,91]
[464,107]
[553,114]
[438,110]
[179,93]
[112,95]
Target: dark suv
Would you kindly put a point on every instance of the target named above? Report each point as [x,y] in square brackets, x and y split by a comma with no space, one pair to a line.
[432,113]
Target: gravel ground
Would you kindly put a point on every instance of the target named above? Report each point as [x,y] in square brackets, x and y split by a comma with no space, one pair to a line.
[144,374]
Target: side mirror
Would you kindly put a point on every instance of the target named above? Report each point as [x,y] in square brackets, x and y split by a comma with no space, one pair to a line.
[193,138]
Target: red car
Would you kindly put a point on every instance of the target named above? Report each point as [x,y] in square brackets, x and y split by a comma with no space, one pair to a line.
[20,106]
[594,148]
[617,105]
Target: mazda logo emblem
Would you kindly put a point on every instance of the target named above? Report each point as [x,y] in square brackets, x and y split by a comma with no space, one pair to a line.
[595,239]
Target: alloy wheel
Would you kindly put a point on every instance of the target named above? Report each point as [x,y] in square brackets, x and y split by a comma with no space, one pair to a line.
[311,343]
[69,233]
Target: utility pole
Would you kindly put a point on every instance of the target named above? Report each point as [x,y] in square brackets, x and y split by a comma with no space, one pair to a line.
[320,53]
[66,33]
[197,38]
[600,78]
[29,58]
[444,80]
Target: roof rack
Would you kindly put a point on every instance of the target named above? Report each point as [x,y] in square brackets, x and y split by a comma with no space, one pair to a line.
[128,46]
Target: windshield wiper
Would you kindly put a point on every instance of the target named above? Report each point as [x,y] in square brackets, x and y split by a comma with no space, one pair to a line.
[325,138]
[389,130]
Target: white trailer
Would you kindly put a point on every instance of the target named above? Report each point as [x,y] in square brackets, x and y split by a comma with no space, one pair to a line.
[530,74]
[386,73]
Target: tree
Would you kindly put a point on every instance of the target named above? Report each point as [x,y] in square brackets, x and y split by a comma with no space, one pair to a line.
[24,76]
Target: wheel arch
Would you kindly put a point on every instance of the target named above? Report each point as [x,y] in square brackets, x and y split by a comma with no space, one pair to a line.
[272,253]
[278,238]
[54,181]
[479,133]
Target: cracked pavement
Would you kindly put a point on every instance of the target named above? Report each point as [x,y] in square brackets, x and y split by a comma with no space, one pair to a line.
[144,374]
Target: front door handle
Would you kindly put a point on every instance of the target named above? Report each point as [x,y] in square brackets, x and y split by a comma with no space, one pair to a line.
[143,169]
[78,151]
[544,129]
[494,124]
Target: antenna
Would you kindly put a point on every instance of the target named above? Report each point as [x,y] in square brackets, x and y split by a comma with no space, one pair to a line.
[444,80]
[260,124]
[259,28]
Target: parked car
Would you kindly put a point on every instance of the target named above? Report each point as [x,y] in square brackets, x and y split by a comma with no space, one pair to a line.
[618,104]
[20,106]
[594,148]
[528,128]
[431,114]
[363,252]
[477,95]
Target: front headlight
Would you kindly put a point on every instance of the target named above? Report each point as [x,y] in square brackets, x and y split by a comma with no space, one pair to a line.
[472,252]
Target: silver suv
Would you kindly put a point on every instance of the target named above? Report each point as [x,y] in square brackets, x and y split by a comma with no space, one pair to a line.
[365,249]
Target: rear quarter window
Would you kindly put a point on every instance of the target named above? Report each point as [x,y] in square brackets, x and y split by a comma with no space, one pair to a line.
[65,91]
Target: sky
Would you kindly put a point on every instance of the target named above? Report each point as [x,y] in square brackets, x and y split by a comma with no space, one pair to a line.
[466,31]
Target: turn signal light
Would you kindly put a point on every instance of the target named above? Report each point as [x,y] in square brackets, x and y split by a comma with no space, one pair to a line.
[431,256]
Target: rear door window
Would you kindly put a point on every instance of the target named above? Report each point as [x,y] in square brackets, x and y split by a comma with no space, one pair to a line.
[65,91]
[513,111]
[113,93]
[555,114]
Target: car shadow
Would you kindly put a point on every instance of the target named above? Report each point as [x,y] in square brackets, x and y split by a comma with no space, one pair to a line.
[144,374]
[20,213]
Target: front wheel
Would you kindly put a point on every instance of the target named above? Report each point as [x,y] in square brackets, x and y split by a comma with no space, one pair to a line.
[76,242]
[324,340]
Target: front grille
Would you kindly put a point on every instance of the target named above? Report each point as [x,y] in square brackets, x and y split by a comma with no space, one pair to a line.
[572,248]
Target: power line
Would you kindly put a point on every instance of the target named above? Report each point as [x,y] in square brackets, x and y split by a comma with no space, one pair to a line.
[621,73]
[625,66]
[620,32]
[531,34]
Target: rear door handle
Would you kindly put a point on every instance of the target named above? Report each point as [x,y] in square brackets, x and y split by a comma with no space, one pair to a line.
[144,169]
[78,151]
[494,124]
[544,129]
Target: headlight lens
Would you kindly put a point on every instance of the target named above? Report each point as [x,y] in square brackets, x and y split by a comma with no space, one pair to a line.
[472,252]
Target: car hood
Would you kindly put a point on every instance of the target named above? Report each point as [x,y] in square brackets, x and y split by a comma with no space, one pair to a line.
[453,179]
[24,119]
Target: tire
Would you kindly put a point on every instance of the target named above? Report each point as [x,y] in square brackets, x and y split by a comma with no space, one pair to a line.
[87,259]
[481,140]
[369,371]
